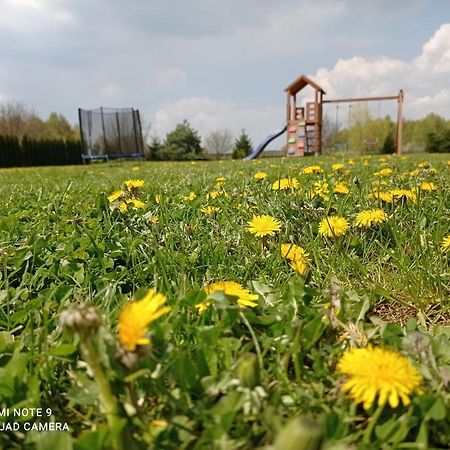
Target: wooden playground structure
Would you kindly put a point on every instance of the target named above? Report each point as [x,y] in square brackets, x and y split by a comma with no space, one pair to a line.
[304,123]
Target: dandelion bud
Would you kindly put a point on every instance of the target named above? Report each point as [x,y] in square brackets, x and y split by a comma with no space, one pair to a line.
[82,318]
[247,370]
[300,433]
[127,358]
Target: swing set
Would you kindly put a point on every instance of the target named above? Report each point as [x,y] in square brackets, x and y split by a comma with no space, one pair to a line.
[304,123]
[368,142]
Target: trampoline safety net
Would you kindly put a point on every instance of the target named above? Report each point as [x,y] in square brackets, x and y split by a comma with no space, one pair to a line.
[111,133]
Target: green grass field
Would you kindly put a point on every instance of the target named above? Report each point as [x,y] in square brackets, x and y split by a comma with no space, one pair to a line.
[260,366]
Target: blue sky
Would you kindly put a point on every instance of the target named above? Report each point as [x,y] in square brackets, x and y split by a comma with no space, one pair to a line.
[221,64]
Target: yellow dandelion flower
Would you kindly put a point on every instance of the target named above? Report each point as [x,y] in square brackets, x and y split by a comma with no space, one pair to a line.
[212,194]
[300,266]
[351,162]
[446,244]
[244,296]
[190,197]
[134,184]
[292,251]
[210,210]
[365,219]
[373,372]
[427,186]
[298,257]
[384,172]
[337,167]
[115,196]
[263,225]
[154,219]
[320,189]
[312,169]
[260,175]
[123,207]
[424,165]
[341,188]
[135,203]
[403,194]
[136,316]
[383,196]
[333,226]
[285,183]
[220,179]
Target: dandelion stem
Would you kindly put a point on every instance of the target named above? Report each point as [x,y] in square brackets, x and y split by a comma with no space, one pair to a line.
[372,423]
[255,340]
[107,398]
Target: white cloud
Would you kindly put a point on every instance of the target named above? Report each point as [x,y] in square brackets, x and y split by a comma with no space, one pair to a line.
[436,53]
[424,78]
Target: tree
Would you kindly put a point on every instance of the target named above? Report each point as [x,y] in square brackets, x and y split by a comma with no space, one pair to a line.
[389,143]
[154,149]
[14,118]
[242,146]
[438,140]
[58,128]
[36,128]
[183,143]
[18,120]
[219,142]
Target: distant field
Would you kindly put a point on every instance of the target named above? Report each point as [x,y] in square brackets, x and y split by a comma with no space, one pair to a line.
[227,366]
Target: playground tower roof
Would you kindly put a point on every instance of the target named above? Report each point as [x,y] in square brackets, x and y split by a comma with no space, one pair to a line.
[300,83]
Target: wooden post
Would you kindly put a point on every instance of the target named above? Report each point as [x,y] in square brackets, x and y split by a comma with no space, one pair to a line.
[288,118]
[288,107]
[319,120]
[316,124]
[400,98]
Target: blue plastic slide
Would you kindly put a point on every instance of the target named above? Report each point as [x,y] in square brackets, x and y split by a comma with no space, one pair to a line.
[255,153]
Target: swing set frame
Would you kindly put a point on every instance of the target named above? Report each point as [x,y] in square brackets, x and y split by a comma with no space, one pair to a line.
[399,126]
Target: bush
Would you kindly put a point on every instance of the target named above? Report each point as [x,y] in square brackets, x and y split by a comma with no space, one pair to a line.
[242,146]
[183,143]
[438,140]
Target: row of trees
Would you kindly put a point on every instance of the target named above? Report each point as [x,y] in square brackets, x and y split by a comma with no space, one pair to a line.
[18,120]
[362,132]
[185,143]
[27,140]
[38,152]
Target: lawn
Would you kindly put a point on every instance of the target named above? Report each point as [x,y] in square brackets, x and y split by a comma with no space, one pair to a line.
[294,304]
